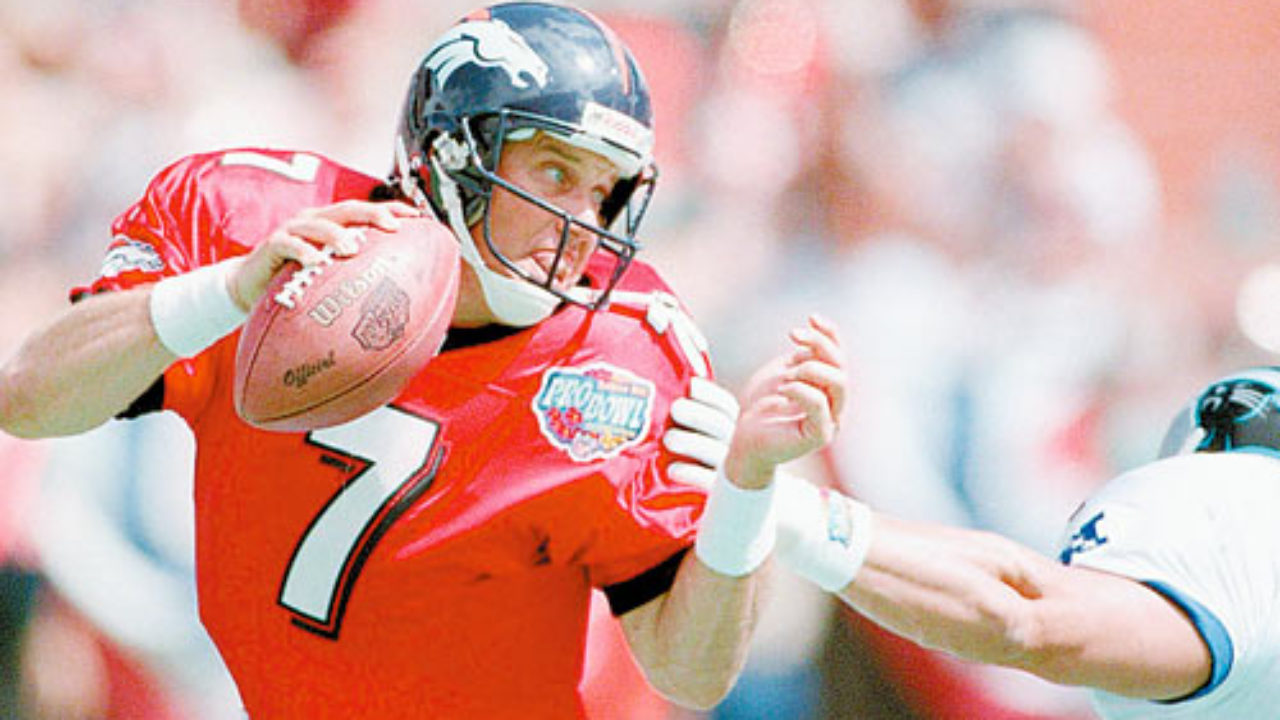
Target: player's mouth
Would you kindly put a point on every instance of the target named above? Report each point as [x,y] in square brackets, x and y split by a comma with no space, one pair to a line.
[566,270]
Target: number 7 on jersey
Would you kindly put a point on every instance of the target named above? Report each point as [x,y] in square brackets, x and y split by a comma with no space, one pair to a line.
[392,453]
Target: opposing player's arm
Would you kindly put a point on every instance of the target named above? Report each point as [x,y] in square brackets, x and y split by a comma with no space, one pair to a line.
[973,594]
[89,363]
[692,641]
[986,598]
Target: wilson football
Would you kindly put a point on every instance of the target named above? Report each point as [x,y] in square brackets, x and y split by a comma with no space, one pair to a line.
[330,342]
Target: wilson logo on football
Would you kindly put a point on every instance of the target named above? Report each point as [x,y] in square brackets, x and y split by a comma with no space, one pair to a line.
[594,411]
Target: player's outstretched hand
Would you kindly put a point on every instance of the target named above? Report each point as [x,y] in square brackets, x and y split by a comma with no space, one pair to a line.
[310,237]
[790,407]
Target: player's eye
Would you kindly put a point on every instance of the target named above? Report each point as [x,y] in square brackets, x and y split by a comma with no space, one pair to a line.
[556,176]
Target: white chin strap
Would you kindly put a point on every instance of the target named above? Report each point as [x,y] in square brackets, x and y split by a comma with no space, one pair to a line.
[513,302]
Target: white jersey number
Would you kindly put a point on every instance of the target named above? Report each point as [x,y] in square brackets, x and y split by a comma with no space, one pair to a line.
[391,454]
[300,167]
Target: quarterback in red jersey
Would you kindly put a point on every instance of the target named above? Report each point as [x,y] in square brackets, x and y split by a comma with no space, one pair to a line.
[436,557]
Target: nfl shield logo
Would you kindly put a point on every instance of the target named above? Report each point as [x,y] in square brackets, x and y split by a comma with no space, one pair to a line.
[383,317]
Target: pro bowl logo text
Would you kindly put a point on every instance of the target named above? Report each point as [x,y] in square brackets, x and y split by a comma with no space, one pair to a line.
[593,411]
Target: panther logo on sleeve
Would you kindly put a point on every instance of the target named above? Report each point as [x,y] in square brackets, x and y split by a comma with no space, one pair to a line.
[1088,537]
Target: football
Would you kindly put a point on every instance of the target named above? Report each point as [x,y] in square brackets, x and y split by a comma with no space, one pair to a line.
[330,342]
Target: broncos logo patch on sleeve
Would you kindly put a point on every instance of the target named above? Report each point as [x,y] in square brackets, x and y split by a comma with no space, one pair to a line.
[127,254]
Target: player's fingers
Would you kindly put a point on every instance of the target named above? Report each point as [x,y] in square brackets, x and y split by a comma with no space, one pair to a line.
[253,273]
[400,208]
[775,407]
[819,420]
[325,232]
[690,474]
[383,215]
[285,246]
[826,326]
[830,379]
[764,380]
[707,450]
[702,418]
[815,342]
[710,393]
[387,215]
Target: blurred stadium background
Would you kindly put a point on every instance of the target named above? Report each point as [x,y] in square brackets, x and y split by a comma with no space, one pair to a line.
[1041,226]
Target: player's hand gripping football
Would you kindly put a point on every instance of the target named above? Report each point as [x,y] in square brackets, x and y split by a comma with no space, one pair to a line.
[791,406]
[309,238]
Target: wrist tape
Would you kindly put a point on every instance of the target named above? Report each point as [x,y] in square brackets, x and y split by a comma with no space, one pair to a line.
[194,310]
[738,529]
[823,535]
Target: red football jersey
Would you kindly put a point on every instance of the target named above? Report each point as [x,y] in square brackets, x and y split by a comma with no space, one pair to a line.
[434,558]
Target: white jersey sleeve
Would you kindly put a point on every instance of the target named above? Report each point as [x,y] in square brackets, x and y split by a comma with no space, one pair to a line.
[1201,530]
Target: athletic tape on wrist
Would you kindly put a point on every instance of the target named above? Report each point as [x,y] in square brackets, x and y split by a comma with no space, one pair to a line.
[737,531]
[823,535]
[194,310]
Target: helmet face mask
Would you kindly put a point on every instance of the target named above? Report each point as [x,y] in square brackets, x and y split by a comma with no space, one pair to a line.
[502,76]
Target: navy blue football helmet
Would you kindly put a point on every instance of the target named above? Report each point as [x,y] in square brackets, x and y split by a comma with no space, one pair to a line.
[1240,411]
[500,75]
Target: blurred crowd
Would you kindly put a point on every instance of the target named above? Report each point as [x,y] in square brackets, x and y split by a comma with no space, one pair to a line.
[1040,226]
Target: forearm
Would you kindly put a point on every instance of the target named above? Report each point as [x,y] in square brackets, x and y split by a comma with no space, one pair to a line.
[83,368]
[985,598]
[692,642]
[968,593]
[696,638]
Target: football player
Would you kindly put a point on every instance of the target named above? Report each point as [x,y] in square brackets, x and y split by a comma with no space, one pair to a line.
[436,557]
[1163,597]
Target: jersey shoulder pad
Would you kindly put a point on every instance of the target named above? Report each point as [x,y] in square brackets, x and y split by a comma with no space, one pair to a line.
[288,177]
[642,277]
[650,301]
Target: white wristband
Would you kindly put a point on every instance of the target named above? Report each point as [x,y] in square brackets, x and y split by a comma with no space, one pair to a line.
[194,310]
[737,531]
[823,535]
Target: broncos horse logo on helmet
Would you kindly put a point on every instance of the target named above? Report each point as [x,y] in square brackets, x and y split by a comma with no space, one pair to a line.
[1236,412]
[501,75]
[489,44]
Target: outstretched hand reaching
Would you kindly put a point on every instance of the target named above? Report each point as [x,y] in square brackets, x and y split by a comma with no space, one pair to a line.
[791,406]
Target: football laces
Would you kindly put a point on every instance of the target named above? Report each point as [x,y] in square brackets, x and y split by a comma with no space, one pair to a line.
[296,286]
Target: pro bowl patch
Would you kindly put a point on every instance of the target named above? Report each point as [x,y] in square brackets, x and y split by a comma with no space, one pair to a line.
[593,411]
